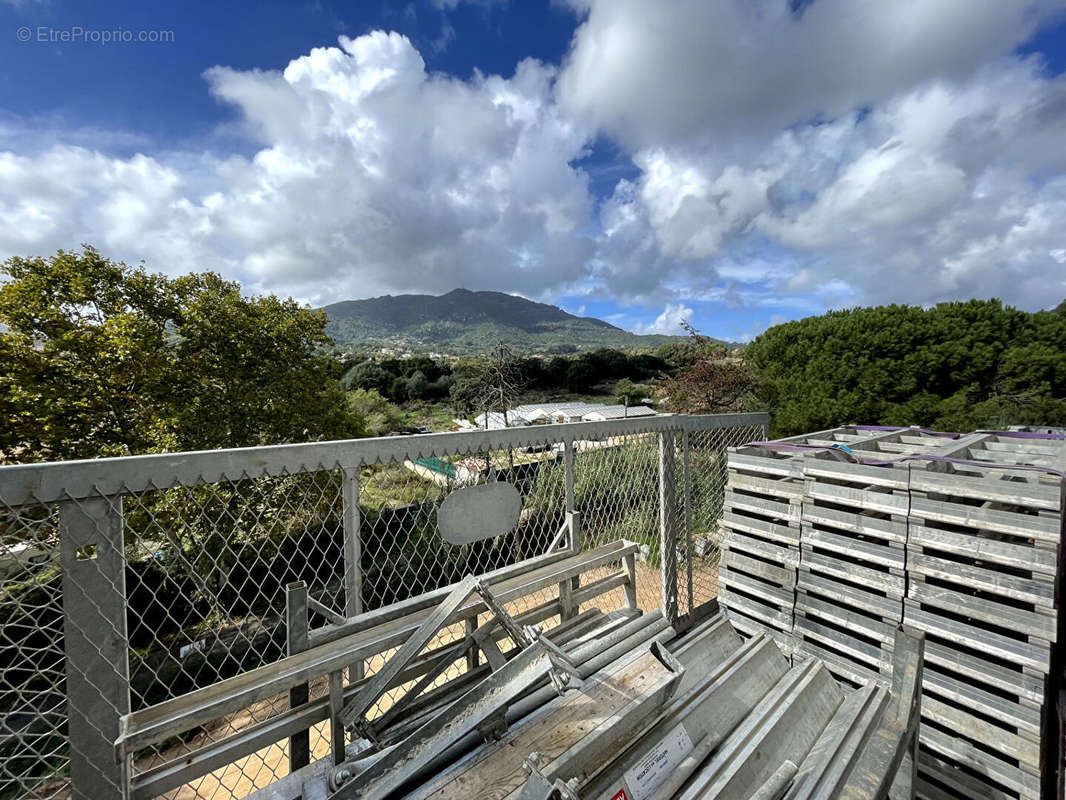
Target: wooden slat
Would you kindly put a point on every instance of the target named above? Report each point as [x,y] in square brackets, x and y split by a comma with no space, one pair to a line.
[883,632]
[1025,495]
[963,752]
[1027,654]
[890,530]
[1032,623]
[867,498]
[869,654]
[885,607]
[1038,592]
[782,598]
[782,620]
[888,477]
[968,694]
[961,785]
[788,488]
[1021,446]
[786,512]
[760,527]
[740,543]
[753,460]
[866,550]
[1043,528]
[780,576]
[1002,741]
[1020,684]
[1008,554]
[1002,457]
[825,564]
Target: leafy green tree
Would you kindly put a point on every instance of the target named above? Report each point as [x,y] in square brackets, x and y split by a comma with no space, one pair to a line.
[628,393]
[417,386]
[956,366]
[378,415]
[104,359]
[367,375]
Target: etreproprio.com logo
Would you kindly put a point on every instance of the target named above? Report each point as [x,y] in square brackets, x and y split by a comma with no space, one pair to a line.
[76,34]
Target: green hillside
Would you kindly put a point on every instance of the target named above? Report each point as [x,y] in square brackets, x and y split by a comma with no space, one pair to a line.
[463,321]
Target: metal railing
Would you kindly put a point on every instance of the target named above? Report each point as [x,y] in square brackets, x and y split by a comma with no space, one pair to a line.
[125,582]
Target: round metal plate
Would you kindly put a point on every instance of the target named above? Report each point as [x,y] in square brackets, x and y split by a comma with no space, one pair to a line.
[480,512]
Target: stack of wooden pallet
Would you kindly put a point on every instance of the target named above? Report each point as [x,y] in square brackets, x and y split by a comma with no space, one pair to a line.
[850,593]
[960,539]
[982,559]
[761,549]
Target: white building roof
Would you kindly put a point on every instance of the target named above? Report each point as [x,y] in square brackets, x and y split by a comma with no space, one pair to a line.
[531,412]
[617,412]
[496,420]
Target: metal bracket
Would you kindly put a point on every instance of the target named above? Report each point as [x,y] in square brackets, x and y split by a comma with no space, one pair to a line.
[540,787]
[354,711]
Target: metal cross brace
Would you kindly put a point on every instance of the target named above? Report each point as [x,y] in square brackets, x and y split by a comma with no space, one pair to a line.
[352,715]
[478,709]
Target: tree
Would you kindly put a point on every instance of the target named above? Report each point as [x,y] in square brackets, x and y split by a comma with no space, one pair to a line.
[500,381]
[956,367]
[417,386]
[367,375]
[104,359]
[710,381]
[628,393]
[378,415]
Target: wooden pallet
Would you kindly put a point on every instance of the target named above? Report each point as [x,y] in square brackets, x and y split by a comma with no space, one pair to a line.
[760,542]
[849,594]
[982,557]
[967,552]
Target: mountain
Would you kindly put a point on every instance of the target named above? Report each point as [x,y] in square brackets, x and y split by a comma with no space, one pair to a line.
[463,321]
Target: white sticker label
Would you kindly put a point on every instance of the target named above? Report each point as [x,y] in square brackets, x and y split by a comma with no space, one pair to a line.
[644,777]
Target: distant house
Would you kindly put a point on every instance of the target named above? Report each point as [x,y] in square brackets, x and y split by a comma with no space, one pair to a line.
[546,413]
[495,420]
[617,412]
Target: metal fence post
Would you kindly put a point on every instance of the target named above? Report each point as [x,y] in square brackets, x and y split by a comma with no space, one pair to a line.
[668,525]
[568,472]
[97,648]
[297,639]
[571,585]
[353,556]
[687,489]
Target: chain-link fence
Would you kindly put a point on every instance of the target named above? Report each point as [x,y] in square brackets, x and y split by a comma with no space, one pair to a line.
[128,582]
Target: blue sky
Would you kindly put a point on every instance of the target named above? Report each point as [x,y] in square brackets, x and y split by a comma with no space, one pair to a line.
[733,163]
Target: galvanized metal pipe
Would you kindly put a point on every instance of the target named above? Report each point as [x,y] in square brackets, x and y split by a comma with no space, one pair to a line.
[588,659]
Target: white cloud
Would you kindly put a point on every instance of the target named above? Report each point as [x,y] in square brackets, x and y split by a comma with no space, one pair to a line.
[857,152]
[373,176]
[687,70]
[668,322]
[947,189]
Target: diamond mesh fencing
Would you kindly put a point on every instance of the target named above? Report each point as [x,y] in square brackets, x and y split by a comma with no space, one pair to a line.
[139,585]
[703,493]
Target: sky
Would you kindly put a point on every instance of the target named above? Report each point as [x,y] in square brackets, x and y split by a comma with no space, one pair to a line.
[733,163]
